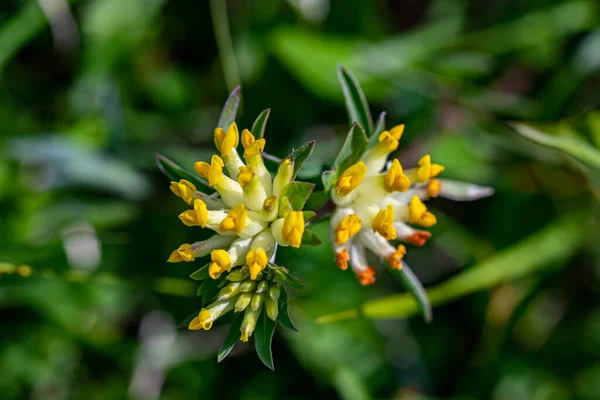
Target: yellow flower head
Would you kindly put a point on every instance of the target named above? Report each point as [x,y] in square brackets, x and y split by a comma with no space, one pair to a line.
[252,146]
[220,262]
[383,223]
[196,217]
[185,252]
[395,259]
[351,178]
[366,277]
[202,321]
[348,227]
[257,261]
[245,175]
[293,228]
[418,213]
[428,170]
[212,172]
[225,141]
[235,219]
[184,189]
[395,179]
[434,187]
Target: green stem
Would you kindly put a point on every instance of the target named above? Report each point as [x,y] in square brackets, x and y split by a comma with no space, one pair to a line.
[218,11]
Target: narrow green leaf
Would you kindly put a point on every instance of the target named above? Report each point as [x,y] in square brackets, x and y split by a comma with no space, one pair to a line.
[412,284]
[356,103]
[175,173]
[353,148]
[230,108]
[188,319]
[232,338]
[297,193]
[209,289]
[259,125]
[200,274]
[553,244]
[577,148]
[379,126]
[284,318]
[310,239]
[263,336]
[300,156]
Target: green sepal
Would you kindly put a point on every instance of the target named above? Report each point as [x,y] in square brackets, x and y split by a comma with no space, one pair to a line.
[232,337]
[210,288]
[300,155]
[353,148]
[283,275]
[297,193]
[175,173]
[356,102]
[379,126]
[259,125]
[200,274]
[188,319]
[229,111]
[284,318]
[263,336]
[411,283]
[328,179]
[308,215]
[310,239]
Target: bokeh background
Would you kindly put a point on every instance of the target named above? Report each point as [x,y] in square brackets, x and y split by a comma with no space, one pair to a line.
[90,90]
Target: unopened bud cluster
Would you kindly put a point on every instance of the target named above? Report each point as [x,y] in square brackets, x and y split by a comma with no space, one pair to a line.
[242,294]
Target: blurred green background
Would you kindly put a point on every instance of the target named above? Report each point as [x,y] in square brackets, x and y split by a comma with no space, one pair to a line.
[90,90]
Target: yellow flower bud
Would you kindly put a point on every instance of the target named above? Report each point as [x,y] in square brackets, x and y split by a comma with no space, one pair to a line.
[245,176]
[351,178]
[418,213]
[212,172]
[434,187]
[384,223]
[220,263]
[185,252]
[349,226]
[395,179]
[184,189]
[257,261]
[235,219]
[226,141]
[202,321]
[252,146]
[293,228]
[397,131]
[387,141]
[428,170]
[196,217]
[283,177]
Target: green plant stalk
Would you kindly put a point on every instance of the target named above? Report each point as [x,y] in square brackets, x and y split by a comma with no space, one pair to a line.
[218,11]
